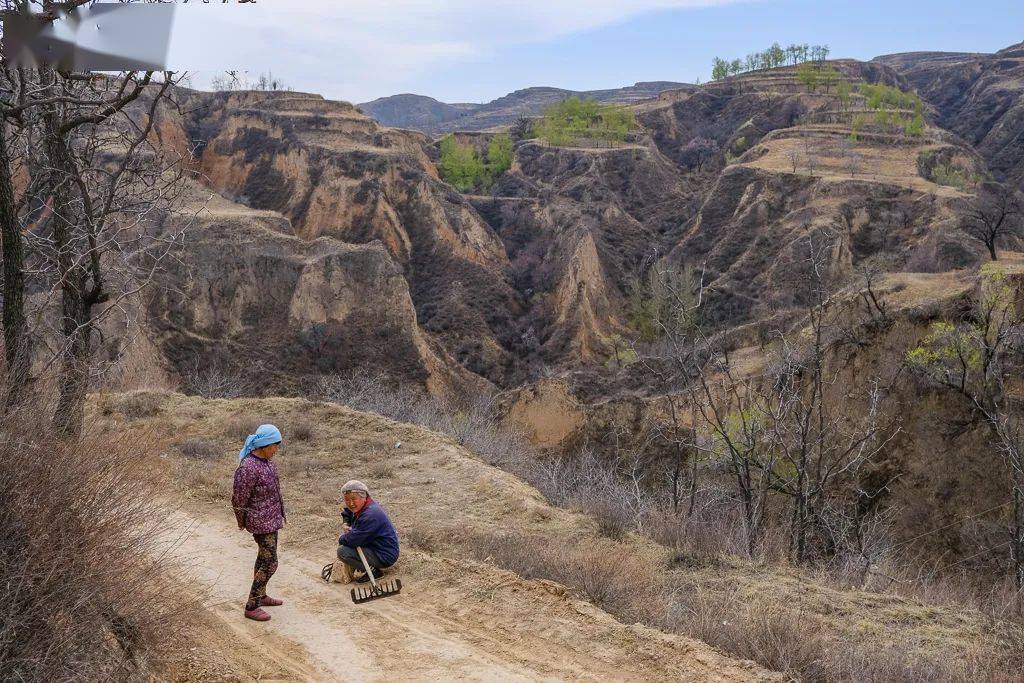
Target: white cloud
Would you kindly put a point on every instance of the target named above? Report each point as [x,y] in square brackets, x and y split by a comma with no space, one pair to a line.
[362,48]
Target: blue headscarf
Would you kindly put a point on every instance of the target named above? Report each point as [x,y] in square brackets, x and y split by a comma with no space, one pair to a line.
[264,436]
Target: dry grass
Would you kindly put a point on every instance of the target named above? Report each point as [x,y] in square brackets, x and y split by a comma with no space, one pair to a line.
[238,427]
[139,404]
[303,430]
[837,159]
[768,628]
[692,583]
[200,449]
[380,470]
[85,596]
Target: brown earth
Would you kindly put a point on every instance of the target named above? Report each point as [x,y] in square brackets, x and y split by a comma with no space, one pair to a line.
[536,274]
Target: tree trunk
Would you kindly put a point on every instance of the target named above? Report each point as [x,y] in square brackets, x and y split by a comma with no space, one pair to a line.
[16,339]
[76,324]
[76,299]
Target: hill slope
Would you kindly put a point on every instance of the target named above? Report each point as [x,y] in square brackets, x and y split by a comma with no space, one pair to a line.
[980,97]
[456,618]
[431,116]
[460,613]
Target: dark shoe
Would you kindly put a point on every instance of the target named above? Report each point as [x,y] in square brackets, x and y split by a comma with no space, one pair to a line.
[377,573]
[267,601]
[257,614]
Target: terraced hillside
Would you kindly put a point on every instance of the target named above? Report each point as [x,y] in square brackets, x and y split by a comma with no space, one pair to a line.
[980,97]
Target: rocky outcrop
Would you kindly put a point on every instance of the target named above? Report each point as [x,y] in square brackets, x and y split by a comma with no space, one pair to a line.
[980,97]
[578,226]
[333,172]
[277,311]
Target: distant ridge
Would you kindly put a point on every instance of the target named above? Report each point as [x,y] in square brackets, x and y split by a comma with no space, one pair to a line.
[433,116]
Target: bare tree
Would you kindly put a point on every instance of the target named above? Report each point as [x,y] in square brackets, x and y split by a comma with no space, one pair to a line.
[995,212]
[87,223]
[793,154]
[698,151]
[975,358]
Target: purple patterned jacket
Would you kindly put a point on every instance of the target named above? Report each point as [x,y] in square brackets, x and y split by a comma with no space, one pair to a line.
[257,496]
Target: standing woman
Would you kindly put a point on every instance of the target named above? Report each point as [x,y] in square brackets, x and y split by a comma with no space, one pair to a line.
[259,510]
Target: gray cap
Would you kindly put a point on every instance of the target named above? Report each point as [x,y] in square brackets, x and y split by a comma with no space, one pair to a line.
[355,485]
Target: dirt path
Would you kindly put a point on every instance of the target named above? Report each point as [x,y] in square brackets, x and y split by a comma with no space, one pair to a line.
[453,621]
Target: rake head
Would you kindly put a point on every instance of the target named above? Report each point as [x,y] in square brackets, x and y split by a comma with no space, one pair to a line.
[383,589]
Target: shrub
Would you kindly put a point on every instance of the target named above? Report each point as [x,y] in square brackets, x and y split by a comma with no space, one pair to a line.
[462,166]
[945,167]
[216,380]
[380,470]
[84,594]
[239,427]
[953,176]
[301,431]
[200,449]
[140,404]
[574,118]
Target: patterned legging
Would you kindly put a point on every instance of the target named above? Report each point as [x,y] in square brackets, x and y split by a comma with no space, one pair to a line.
[266,565]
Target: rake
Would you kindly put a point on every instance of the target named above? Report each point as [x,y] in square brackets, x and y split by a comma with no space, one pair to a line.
[384,589]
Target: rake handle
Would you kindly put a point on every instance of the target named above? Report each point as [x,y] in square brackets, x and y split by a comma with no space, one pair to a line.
[369,571]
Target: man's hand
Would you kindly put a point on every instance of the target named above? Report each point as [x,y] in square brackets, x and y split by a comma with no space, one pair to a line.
[345,528]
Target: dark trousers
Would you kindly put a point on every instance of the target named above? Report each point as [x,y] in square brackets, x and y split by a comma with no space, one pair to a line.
[266,565]
[350,557]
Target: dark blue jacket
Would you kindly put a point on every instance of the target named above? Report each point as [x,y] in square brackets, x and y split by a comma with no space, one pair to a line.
[372,529]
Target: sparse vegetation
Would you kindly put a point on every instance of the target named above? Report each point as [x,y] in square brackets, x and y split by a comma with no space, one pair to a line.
[575,120]
[951,176]
[85,595]
[302,431]
[698,152]
[943,168]
[771,58]
[140,404]
[462,165]
[894,110]
[976,359]
[238,427]
[662,301]
[200,449]
[994,215]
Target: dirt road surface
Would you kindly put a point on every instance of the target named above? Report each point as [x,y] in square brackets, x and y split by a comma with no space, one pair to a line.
[451,622]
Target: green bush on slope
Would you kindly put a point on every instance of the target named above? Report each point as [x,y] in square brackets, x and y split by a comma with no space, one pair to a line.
[462,166]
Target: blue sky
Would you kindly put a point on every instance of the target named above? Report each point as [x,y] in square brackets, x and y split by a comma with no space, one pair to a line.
[678,45]
[477,50]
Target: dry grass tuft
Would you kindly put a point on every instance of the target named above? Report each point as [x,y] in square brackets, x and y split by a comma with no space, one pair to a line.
[239,427]
[200,449]
[380,470]
[302,431]
[85,596]
[140,404]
